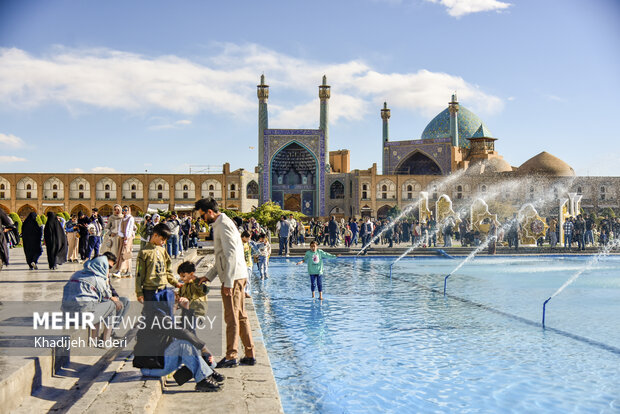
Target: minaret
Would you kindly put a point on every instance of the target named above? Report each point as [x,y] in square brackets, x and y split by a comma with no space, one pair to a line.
[324,94]
[263,117]
[453,107]
[385,115]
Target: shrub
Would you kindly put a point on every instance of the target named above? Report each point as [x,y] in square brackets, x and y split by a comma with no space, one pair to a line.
[17,220]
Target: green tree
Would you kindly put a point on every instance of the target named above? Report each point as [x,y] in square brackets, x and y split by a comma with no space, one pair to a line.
[608,211]
[394,212]
[39,221]
[43,218]
[17,220]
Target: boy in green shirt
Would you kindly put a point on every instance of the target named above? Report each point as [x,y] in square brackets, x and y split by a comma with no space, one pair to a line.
[314,258]
[194,292]
[154,273]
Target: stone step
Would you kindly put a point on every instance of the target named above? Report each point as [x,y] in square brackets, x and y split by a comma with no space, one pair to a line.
[57,381]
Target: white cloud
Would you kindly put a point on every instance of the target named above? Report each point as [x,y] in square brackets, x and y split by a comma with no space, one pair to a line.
[103,170]
[11,158]
[458,8]
[553,98]
[76,170]
[224,83]
[11,141]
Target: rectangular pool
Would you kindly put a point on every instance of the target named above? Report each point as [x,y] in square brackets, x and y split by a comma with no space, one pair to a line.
[397,345]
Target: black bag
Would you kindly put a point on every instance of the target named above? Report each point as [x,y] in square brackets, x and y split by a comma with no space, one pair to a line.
[183,375]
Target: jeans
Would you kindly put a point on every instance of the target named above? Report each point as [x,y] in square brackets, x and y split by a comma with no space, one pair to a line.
[94,242]
[553,238]
[316,280]
[180,237]
[283,246]
[589,237]
[262,266]
[354,238]
[447,240]
[181,352]
[568,240]
[173,245]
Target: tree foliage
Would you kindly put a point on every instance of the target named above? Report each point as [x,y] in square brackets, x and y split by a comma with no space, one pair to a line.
[17,220]
[267,215]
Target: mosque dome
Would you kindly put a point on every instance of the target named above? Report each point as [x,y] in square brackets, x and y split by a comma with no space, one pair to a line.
[490,166]
[546,164]
[468,123]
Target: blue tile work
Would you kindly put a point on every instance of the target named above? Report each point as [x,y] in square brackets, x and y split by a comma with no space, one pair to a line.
[312,139]
[439,127]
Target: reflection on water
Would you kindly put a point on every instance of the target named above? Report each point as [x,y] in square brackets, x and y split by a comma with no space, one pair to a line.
[395,346]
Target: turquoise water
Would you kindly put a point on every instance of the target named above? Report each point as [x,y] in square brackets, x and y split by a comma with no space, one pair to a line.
[376,345]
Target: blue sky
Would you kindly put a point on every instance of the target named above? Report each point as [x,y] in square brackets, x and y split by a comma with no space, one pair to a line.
[160,85]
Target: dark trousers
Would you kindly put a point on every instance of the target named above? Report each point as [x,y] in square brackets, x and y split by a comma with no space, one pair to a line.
[316,280]
[94,242]
[158,302]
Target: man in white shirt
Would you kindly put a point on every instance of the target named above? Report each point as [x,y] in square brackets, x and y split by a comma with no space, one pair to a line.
[231,268]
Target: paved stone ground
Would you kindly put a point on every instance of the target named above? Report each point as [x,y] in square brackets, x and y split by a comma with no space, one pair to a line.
[112,385]
[247,389]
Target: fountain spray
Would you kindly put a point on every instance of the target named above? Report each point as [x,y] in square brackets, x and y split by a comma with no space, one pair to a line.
[447,180]
[604,252]
[541,200]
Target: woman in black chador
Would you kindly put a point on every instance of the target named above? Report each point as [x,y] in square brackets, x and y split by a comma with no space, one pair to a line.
[31,238]
[55,241]
[6,224]
[83,222]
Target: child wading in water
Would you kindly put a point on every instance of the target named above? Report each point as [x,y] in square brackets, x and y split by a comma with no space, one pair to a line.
[314,258]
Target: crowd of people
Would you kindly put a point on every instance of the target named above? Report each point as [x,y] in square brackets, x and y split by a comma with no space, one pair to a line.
[353,233]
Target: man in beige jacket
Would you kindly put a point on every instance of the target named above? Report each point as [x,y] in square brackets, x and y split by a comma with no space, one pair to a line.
[232,270]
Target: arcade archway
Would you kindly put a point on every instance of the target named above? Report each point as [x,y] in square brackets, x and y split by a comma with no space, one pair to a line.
[25,210]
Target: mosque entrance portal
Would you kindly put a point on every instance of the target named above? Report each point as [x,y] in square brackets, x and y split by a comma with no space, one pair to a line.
[294,179]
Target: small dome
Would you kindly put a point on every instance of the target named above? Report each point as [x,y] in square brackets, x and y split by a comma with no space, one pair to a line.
[490,166]
[546,164]
[468,122]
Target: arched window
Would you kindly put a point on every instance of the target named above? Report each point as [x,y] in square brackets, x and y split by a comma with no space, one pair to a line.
[81,187]
[483,188]
[211,187]
[579,190]
[603,192]
[2,187]
[160,187]
[365,191]
[107,187]
[133,188]
[185,187]
[55,187]
[336,190]
[233,187]
[459,192]
[252,190]
[28,186]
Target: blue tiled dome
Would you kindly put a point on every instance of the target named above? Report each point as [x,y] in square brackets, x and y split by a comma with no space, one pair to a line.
[469,123]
